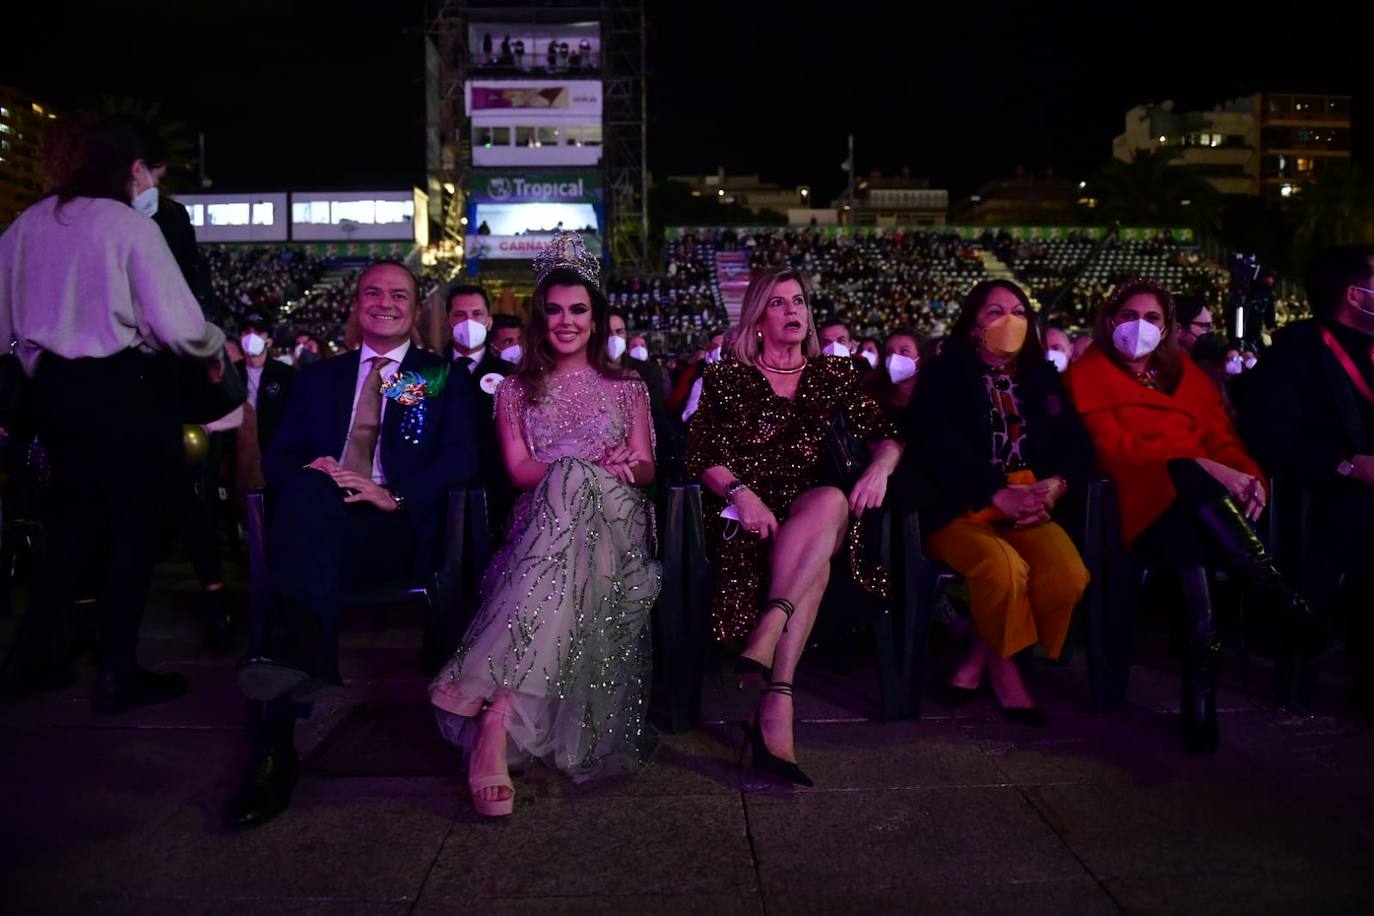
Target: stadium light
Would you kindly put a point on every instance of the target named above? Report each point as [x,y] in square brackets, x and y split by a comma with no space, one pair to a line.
[1082,185]
[720,193]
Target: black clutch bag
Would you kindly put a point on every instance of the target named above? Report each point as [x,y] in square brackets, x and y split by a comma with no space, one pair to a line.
[846,456]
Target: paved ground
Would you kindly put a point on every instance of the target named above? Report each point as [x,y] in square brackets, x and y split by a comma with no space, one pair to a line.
[951,814]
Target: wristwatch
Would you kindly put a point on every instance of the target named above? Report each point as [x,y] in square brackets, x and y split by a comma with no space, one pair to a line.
[1346,468]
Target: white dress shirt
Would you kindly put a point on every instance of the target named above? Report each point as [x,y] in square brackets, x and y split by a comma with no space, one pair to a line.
[254,383]
[475,357]
[390,367]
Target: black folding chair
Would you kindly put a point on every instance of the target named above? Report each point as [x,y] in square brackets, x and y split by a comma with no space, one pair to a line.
[467,550]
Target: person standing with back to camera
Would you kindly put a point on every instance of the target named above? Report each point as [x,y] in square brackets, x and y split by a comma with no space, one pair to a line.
[95,306]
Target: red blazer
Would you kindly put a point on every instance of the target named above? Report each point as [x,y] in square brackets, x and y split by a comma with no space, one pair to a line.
[1137,430]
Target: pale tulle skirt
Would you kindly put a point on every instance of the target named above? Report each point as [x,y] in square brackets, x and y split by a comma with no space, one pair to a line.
[563,628]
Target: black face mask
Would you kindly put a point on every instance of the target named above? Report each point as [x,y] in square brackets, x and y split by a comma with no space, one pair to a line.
[1207,345]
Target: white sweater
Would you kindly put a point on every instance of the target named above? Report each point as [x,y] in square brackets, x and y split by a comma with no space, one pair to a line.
[93,279]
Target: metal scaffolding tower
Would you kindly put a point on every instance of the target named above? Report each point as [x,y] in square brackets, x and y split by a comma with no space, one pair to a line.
[449,134]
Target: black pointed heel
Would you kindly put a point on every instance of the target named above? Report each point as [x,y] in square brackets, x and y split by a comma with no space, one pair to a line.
[765,761]
[752,667]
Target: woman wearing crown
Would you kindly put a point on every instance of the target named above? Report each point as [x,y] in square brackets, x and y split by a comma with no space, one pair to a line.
[556,663]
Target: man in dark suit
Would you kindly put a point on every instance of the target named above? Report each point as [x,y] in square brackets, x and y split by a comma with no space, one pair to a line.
[470,324]
[647,370]
[360,490]
[268,381]
[1309,414]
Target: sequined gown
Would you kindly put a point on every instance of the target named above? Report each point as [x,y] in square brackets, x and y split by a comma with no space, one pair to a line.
[775,446]
[563,623]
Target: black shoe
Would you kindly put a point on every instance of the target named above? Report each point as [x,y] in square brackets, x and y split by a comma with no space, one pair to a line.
[263,678]
[1248,561]
[115,692]
[762,759]
[266,788]
[1197,708]
[219,623]
[1024,715]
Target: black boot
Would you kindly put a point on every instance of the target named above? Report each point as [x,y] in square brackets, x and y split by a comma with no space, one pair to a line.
[266,788]
[1198,703]
[1248,561]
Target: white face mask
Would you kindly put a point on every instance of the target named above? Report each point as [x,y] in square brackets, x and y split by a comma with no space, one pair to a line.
[615,346]
[713,356]
[900,368]
[871,357]
[511,354]
[835,348]
[300,348]
[469,334]
[1136,338]
[1234,366]
[253,345]
[146,202]
[1059,358]
[639,353]
[284,359]
[1250,362]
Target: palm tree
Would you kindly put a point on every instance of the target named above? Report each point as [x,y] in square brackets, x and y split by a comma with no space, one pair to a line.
[1337,208]
[1151,190]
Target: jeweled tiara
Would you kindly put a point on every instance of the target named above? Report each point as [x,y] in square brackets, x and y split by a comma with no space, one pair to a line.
[567,250]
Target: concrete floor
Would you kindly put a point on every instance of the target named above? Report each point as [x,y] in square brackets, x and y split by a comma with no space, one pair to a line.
[950,814]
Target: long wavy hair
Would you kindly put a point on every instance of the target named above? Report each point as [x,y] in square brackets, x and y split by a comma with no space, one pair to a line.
[537,357]
[761,284]
[1167,359]
[1032,352]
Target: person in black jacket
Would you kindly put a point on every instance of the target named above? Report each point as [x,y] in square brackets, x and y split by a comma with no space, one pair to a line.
[469,326]
[360,478]
[269,390]
[995,434]
[1309,415]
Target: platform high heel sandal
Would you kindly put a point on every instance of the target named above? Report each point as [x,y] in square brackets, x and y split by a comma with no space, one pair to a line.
[750,667]
[765,761]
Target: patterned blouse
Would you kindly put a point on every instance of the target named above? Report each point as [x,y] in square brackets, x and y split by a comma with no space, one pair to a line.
[1008,424]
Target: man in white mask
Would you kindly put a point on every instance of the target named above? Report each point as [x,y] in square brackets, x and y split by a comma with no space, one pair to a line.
[1058,348]
[469,321]
[835,341]
[505,338]
[269,387]
[617,347]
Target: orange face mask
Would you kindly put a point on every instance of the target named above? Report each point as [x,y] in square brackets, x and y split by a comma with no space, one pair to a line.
[1005,336]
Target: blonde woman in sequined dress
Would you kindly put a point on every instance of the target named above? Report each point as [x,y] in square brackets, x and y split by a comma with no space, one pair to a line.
[757,444]
[555,665]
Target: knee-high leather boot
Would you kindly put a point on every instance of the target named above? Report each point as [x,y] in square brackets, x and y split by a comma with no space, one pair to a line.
[1198,704]
[1250,564]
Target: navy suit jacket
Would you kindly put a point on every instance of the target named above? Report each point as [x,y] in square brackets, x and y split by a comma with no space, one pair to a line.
[422,473]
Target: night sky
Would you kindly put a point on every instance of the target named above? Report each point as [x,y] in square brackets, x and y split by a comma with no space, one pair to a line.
[315,95]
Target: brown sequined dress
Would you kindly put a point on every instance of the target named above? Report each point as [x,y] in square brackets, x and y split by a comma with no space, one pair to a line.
[776,447]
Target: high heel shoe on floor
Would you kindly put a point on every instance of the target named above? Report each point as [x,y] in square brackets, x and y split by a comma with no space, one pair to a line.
[488,808]
[752,667]
[765,761]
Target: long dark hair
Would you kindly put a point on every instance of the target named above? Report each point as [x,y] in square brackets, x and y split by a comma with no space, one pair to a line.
[1032,352]
[537,358]
[1167,359]
[112,146]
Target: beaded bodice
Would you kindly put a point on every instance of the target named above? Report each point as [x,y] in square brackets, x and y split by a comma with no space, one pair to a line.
[582,414]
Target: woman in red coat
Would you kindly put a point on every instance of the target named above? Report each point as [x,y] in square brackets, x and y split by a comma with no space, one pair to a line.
[1188,489]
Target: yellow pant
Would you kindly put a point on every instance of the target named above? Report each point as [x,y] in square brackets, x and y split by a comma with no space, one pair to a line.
[1023,583]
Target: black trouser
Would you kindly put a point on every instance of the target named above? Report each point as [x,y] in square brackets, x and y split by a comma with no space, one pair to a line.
[112,437]
[1176,538]
[318,546]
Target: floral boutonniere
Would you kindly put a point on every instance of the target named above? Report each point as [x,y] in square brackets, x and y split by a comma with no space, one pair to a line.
[412,391]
